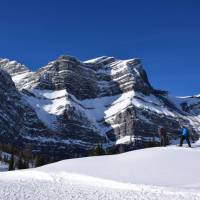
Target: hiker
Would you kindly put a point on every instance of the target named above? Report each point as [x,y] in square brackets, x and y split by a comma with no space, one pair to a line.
[192,136]
[185,136]
[163,136]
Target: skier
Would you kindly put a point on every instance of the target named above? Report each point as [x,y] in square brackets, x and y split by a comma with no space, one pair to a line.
[163,136]
[185,136]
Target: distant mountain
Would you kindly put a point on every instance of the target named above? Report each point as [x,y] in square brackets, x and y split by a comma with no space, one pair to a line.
[68,107]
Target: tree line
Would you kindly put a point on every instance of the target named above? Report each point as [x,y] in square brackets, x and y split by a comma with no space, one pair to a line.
[19,158]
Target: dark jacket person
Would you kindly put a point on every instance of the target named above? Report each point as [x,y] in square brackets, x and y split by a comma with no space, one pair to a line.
[163,136]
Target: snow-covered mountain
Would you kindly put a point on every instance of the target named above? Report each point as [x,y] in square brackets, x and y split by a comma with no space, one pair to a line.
[155,173]
[76,105]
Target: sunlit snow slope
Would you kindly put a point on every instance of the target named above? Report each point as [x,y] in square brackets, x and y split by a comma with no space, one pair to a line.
[156,173]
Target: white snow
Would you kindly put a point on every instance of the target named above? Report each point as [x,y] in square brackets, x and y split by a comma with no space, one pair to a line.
[95,59]
[153,174]
[18,78]
[106,107]
[50,94]
[48,104]
[188,99]
[41,139]
[170,167]
[125,140]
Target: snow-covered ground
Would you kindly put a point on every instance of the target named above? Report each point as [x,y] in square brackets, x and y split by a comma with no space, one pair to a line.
[154,174]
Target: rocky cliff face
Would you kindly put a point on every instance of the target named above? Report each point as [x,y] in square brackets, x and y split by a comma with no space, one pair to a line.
[17,118]
[67,107]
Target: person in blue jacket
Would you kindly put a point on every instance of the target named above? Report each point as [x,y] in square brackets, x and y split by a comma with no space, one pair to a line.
[185,136]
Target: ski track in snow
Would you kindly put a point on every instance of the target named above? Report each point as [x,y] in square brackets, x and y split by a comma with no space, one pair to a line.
[69,187]
[170,173]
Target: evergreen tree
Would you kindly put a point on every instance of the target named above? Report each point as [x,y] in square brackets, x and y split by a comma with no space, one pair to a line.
[111,151]
[99,150]
[121,148]
[5,159]
[39,161]
[11,163]
[21,164]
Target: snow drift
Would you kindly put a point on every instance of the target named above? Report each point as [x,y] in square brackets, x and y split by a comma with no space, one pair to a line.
[156,173]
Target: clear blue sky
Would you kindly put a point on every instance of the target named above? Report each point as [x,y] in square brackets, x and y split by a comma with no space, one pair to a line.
[165,34]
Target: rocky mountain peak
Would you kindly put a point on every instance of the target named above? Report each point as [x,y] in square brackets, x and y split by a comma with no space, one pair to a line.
[68,58]
[13,67]
[76,105]
[103,76]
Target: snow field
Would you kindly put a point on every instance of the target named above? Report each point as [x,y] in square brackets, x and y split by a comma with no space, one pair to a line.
[170,173]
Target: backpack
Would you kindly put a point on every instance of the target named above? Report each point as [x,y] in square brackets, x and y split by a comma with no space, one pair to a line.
[185,132]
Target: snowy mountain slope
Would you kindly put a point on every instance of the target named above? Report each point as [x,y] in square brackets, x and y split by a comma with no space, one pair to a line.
[17,118]
[191,108]
[103,100]
[117,80]
[171,173]
[190,104]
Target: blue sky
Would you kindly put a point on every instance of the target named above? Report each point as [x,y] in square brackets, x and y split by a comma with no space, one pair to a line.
[164,34]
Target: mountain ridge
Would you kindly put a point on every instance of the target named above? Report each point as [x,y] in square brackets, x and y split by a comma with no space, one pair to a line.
[99,101]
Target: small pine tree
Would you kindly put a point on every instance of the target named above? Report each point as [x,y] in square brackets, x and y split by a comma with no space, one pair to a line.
[21,164]
[39,161]
[99,150]
[5,159]
[1,156]
[111,151]
[11,163]
[121,148]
